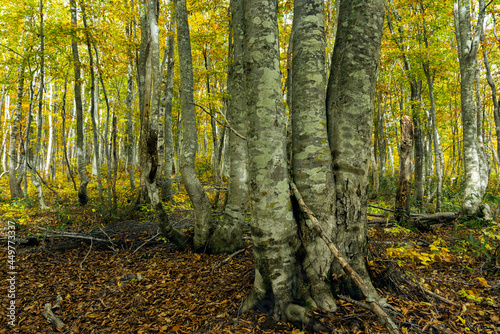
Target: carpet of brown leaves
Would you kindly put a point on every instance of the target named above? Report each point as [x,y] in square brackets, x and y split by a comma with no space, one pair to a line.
[181,292]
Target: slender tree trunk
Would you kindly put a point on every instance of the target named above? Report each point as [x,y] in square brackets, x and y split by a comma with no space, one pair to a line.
[166,103]
[227,237]
[35,179]
[14,181]
[93,105]
[150,124]
[63,132]
[402,206]
[201,203]
[419,153]
[129,146]
[496,107]
[80,135]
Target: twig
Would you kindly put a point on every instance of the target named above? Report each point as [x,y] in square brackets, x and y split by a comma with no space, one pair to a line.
[225,120]
[379,207]
[372,302]
[157,234]
[90,248]
[111,241]
[219,263]
[68,235]
[430,293]
[59,199]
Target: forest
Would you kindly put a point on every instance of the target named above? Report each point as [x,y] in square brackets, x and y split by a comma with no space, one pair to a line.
[249,166]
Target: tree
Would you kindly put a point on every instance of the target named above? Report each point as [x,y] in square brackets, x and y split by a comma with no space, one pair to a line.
[475,178]
[201,203]
[227,237]
[80,135]
[280,253]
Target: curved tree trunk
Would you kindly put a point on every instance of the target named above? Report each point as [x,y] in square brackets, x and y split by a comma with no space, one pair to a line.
[227,238]
[350,104]
[201,203]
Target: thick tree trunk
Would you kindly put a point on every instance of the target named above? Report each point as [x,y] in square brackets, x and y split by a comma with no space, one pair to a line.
[311,158]
[274,232]
[201,203]
[80,135]
[14,182]
[468,43]
[402,206]
[350,104]
[227,237]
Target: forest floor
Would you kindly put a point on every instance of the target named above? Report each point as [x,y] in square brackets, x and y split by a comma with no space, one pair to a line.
[444,281]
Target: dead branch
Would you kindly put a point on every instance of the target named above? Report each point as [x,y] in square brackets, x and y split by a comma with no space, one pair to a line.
[57,234]
[90,248]
[383,317]
[432,294]
[47,312]
[157,234]
[226,260]
[225,120]
[46,184]
[379,207]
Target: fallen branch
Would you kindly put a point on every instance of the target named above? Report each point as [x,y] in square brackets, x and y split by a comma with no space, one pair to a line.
[433,294]
[57,234]
[226,260]
[383,317]
[157,234]
[90,248]
[379,207]
[50,316]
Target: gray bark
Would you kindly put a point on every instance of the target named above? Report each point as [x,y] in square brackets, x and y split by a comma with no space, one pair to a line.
[350,104]
[274,232]
[468,43]
[166,104]
[93,105]
[311,158]
[227,237]
[201,203]
[129,146]
[14,181]
[80,135]
[402,205]
[149,149]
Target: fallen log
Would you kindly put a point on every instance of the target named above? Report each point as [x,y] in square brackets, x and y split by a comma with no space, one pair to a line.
[421,221]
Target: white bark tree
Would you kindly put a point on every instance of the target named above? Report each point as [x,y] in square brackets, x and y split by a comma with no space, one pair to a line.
[475,178]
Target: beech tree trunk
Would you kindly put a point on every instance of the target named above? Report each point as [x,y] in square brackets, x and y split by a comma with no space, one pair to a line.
[311,158]
[350,107]
[279,268]
[201,203]
[227,237]
[93,105]
[402,206]
[468,43]
[166,104]
[14,181]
